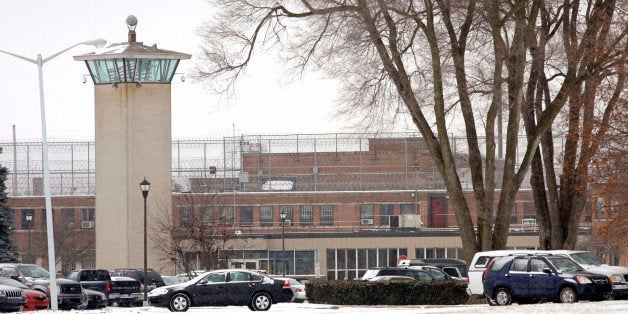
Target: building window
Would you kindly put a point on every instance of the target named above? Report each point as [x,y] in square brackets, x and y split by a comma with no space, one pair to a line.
[246,216]
[307,215]
[327,215]
[366,214]
[439,252]
[28,218]
[186,215]
[266,216]
[353,263]
[207,214]
[286,209]
[385,211]
[304,262]
[227,216]
[407,209]
[67,216]
[87,214]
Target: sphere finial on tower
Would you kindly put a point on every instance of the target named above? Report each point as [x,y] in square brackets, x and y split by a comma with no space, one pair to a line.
[131,23]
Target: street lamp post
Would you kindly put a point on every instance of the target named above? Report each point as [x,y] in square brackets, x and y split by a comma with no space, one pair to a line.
[282,215]
[46,171]
[145,186]
[29,225]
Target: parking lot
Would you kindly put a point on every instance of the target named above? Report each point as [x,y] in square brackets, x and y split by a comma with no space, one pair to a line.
[305,308]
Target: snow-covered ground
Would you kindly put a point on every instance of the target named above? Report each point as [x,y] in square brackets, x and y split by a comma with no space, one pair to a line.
[305,308]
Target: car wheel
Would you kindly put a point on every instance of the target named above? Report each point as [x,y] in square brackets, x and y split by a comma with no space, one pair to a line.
[503,297]
[250,306]
[179,302]
[261,302]
[567,295]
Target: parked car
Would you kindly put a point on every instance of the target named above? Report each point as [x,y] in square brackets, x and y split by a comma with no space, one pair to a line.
[125,291]
[479,263]
[392,278]
[69,293]
[590,262]
[455,268]
[298,289]
[12,299]
[534,277]
[436,272]
[93,279]
[223,287]
[95,299]
[35,300]
[417,274]
[154,278]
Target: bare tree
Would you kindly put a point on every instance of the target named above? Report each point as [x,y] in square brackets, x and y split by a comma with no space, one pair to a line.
[432,60]
[203,234]
[72,244]
[595,51]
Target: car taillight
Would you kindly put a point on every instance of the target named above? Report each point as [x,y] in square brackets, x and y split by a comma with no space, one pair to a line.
[486,269]
[286,284]
[108,287]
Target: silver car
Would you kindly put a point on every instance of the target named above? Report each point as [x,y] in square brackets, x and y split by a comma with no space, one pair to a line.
[298,289]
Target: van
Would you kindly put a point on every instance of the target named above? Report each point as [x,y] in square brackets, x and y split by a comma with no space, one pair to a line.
[479,263]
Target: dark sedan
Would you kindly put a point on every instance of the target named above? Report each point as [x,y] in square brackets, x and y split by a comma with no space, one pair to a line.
[223,287]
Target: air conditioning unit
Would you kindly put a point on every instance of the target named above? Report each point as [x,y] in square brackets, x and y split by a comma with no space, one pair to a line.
[366,221]
[410,221]
[88,224]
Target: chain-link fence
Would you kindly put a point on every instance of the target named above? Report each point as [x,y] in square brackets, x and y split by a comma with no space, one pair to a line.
[304,162]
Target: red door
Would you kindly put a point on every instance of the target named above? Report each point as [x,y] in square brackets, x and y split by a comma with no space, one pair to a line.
[437,212]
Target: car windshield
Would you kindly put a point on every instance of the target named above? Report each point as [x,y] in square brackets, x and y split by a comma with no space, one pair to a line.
[587,258]
[34,271]
[564,264]
[370,274]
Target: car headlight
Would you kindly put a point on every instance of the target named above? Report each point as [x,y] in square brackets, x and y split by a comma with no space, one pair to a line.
[583,279]
[616,278]
[158,291]
[2,293]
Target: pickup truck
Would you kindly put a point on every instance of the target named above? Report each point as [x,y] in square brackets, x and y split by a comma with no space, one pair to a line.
[93,279]
[70,294]
[125,291]
[121,291]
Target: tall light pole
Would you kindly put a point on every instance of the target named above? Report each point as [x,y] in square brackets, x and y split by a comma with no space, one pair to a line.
[29,225]
[145,186]
[44,148]
[282,215]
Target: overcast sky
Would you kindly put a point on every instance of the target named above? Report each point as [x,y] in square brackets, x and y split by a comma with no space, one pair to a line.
[30,27]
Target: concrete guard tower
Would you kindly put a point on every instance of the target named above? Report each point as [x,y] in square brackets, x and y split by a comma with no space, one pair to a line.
[133,141]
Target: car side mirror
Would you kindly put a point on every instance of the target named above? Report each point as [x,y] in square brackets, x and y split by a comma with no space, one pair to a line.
[547,271]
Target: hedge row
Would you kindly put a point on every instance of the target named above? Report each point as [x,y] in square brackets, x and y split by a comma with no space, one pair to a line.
[358,292]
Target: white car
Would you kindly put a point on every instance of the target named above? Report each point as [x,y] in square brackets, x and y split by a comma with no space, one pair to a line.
[590,262]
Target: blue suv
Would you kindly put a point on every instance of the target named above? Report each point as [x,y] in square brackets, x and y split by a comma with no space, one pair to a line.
[536,277]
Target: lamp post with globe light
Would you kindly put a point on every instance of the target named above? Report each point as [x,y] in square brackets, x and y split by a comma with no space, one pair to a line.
[282,215]
[29,225]
[145,186]
[98,43]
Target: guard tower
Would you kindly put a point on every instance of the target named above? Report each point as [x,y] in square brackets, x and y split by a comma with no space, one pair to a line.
[133,141]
